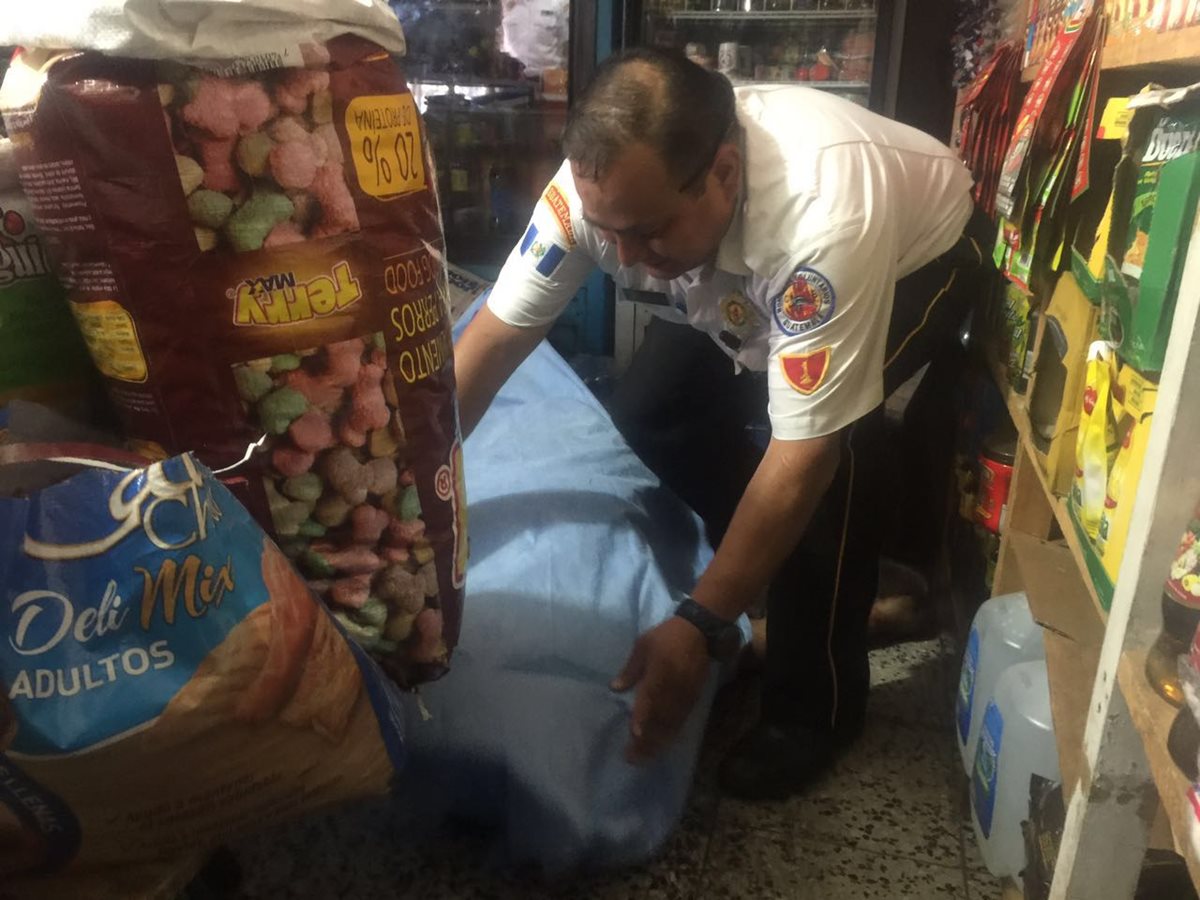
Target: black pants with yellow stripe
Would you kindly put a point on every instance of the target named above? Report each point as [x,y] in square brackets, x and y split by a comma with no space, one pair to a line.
[690,418]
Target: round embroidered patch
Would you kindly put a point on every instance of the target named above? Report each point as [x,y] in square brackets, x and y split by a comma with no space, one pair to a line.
[806,303]
[734,308]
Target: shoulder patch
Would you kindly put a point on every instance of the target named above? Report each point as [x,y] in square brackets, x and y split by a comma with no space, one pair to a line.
[805,372]
[545,254]
[806,302]
[553,198]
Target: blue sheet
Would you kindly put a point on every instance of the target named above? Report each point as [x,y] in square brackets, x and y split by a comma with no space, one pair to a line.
[575,550]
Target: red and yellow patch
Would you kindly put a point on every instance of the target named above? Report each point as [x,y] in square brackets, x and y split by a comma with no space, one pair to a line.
[806,372]
[562,212]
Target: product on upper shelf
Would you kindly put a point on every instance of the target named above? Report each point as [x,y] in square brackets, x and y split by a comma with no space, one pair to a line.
[41,353]
[1180,618]
[253,251]
[1058,389]
[1045,166]
[169,680]
[1114,432]
[1159,198]
[987,113]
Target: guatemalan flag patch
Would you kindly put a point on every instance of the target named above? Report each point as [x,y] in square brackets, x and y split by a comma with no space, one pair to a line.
[545,253]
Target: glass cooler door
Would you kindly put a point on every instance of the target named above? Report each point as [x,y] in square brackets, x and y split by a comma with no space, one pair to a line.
[491,79]
[825,44]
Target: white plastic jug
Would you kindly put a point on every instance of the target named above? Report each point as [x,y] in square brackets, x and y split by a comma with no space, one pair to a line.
[1015,742]
[1003,633]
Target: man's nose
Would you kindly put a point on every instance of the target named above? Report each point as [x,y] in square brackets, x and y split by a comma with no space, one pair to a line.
[630,251]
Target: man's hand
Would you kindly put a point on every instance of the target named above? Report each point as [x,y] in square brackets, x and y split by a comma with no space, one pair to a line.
[668,666]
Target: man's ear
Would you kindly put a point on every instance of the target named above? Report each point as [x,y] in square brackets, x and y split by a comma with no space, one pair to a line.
[727,168]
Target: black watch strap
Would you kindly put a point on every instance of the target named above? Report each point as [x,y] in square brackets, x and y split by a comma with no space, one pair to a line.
[722,637]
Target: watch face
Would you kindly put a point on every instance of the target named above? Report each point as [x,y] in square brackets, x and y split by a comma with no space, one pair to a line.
[727,643]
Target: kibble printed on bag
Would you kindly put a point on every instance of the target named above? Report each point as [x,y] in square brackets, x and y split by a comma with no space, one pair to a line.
[256,257]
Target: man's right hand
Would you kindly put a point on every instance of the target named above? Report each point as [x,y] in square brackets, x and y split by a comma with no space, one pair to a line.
[488,352]
[668,667]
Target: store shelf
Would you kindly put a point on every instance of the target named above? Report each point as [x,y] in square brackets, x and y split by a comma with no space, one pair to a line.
[819,85]
[1059,601]
[773,15]
[1019,413]
[1180,47]
[1153,716]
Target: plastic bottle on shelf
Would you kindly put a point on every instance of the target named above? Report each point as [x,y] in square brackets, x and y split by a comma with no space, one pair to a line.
[1016,741]
[1003,633]
[1180,616]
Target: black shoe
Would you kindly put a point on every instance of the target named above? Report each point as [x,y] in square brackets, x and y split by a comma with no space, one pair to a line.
[773,762]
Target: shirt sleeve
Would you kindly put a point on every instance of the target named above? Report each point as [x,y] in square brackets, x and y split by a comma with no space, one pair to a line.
[830,309]
[549,265]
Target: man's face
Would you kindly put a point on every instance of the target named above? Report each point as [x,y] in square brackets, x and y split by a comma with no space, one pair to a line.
[638,206]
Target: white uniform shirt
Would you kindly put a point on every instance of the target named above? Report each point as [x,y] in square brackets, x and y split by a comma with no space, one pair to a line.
[838,203]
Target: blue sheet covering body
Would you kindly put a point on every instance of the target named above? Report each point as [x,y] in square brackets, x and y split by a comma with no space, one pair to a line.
[575,550]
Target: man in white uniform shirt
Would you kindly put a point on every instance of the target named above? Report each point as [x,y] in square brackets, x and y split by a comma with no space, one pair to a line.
[785,231]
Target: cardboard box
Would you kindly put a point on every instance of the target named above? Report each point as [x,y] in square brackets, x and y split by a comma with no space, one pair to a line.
[1058,386]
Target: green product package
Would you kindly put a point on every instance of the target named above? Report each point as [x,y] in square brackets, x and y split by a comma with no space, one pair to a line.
[1140,291]
[40,344]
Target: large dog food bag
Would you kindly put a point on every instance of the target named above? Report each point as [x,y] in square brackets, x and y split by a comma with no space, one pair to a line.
[253,251]
[169,681]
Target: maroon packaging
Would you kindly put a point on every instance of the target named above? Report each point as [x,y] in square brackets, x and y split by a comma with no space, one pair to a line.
[257,258]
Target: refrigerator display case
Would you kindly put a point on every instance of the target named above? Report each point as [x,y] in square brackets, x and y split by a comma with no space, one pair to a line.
[491,79]
[826,44]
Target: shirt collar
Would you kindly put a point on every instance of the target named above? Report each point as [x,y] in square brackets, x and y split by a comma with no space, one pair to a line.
[730,254]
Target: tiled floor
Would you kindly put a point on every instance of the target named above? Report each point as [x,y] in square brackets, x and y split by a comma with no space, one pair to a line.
[888,822]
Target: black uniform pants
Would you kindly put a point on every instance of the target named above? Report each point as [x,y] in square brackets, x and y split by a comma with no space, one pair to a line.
[688,416]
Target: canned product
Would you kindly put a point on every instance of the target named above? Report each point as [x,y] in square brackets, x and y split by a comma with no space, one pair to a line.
[995,476]
[727,58]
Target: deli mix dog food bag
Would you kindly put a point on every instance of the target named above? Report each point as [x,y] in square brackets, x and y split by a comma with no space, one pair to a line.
[253,252]
[169,681]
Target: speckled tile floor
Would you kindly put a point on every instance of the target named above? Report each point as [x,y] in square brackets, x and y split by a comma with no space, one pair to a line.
[888,822]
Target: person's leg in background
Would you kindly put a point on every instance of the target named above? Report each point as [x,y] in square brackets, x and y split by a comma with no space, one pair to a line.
[684,411]
[931,307]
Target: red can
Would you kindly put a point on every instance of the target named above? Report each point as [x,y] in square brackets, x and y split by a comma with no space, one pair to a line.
[995,476]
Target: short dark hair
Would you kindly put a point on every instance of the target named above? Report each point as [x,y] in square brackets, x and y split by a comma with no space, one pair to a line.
[657,97]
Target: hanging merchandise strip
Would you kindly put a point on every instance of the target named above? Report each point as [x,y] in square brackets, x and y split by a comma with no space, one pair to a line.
[987,119]
[1048,145]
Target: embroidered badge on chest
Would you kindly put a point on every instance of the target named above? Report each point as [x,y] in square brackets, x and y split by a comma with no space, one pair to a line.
[805,372]
[806,303]
[739,320]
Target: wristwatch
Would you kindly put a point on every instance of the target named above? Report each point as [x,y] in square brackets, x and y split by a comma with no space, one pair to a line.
[723,638]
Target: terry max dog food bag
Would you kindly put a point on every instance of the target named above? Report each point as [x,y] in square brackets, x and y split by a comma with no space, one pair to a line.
[253,252]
